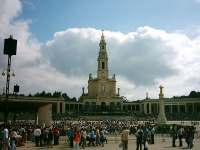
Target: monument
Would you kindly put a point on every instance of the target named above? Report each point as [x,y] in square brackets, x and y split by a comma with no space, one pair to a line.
[161,117]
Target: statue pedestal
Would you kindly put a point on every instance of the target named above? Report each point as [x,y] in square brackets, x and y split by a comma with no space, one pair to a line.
[161,117]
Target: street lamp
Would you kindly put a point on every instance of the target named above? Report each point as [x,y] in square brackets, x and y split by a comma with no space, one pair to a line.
[10,48]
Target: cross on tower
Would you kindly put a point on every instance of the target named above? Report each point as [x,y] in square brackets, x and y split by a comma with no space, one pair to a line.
[102,36]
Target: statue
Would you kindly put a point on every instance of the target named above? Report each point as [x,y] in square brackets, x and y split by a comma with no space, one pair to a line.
[161,89]
[83,89]
[90,75]
[4,90]
[118,91]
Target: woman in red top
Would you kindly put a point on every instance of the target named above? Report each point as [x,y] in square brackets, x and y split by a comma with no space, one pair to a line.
[76,138]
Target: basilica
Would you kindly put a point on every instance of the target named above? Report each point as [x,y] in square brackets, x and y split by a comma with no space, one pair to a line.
[102,95]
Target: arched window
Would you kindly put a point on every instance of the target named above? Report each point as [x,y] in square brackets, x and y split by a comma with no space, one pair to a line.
[102,47]
[103,65]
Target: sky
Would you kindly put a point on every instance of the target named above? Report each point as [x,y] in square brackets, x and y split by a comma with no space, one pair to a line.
[149,43]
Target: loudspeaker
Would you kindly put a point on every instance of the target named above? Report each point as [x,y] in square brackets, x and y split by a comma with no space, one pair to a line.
[16,88]
[10,46]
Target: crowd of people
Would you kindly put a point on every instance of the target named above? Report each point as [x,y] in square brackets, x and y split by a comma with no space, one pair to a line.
[84,133]
[18,134]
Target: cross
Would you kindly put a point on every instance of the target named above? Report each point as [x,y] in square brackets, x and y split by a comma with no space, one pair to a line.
[102,31]
[102,36]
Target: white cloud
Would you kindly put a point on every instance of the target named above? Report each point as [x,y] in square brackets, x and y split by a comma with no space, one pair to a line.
[141,60]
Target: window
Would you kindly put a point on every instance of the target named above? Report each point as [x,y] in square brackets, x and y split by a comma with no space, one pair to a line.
[103,65]
[102,47]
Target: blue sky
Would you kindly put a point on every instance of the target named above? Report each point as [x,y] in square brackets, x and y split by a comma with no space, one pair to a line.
[114,15]
[149,43]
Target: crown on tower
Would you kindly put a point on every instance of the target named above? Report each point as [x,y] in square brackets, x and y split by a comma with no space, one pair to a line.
[102,36]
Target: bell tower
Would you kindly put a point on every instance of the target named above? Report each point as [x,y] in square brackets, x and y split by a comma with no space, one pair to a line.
[102,72]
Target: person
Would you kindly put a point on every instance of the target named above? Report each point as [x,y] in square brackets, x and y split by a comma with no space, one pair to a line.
[50,138]
[124,138]
[6,138]
[180,136]
[102,138]
[148,135]
[56,136]
[174,136]
[83,137]
[139,136]
[69,134]
[186,135]
[105,134]
[46,133]
[13,137]
[76,138]
[191,136]
[152,135]
[91,140]
[41,137]
[97,137]
[1,138]
[37,133]
[145,137]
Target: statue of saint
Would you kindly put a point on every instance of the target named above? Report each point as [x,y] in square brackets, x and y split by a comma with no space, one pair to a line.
[161,89]
[4,90]
[83,89]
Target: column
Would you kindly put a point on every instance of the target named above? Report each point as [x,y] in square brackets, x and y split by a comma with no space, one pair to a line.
[158,108]
[63,107]
[150,108]
[36,118]
[161,117]
[140,106]
[186,110]
[145,108]
[178,108]
[45,115]
[193,107]
[58,107]
[171,109]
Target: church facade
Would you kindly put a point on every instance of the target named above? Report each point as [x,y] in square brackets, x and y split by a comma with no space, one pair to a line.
[102,95]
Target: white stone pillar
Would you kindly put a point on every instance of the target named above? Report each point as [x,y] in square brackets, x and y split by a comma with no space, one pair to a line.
[161,117]
[36,118]
[63,107]
[45,115]
[145,108]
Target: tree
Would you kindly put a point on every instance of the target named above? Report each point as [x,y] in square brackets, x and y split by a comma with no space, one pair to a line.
[73,99]
[66,97]
[49,95]
[56,94]
[30,95]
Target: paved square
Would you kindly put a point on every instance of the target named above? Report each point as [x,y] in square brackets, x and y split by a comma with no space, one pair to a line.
[112,145]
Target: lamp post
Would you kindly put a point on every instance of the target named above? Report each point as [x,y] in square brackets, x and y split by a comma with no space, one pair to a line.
[10,48]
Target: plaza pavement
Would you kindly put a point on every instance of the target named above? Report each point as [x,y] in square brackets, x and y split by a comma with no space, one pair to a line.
[112,145]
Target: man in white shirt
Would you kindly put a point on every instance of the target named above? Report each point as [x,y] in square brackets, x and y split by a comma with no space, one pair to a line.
[37,133]
[5,136]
